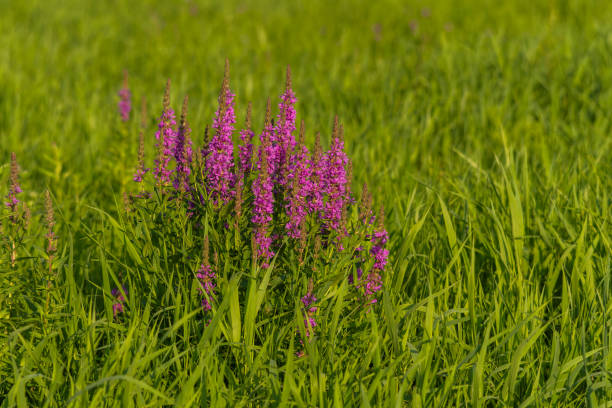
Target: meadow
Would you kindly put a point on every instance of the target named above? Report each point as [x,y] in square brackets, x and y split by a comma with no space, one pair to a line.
[483,128]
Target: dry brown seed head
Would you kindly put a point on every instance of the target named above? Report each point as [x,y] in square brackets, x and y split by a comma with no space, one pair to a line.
[184,113]
[268,113]
[248,116]
[288,78]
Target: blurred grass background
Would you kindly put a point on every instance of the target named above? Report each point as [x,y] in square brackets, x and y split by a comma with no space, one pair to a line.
[483,126]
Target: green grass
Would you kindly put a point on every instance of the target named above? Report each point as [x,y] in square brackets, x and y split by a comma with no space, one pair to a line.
[485,133]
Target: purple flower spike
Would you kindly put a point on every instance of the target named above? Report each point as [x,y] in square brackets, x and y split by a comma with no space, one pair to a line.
[263,203]
[336,180]
[206,276]
[166,136]
[220,159]
[379,239]
[318,178]
[206,279]
[309,311]
[246,149]
[285,126]
[182,152]
[125,101]
[299,175]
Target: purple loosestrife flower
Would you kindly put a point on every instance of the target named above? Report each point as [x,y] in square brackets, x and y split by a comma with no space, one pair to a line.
[299,175]
[206,278]
[14,187]
[220,159]
[373,281]
[309,310]
[125,101]
[336,180]
[318,179]
[283,131]
[182,152]
[119,299]
[372,284]
[166,137]
[379,239]
[246,149]
[263,202]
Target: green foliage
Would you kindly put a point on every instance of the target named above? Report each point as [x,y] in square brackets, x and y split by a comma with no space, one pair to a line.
[483,128]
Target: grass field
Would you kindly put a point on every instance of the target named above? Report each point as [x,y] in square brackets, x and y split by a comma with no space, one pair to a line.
[483,128]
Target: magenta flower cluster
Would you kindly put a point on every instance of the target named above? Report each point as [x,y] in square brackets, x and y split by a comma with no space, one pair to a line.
[309,312]
[206,277]
[166,138]
[220,158]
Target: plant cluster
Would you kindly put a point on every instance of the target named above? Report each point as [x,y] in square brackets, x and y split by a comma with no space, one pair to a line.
[266,203]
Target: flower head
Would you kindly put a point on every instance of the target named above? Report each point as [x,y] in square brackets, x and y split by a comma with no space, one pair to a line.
[336,180]
[220,159]
[166,137]
[283,131]
[301,186]
[263,202]
[182,152]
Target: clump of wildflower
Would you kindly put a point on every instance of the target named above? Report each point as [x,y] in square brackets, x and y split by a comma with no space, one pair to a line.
[125,101]
[220,160]
[182,152]
[263,202]
[118,300]
[246,149]
[166,138]
[206,278]
[14,188]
